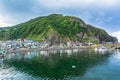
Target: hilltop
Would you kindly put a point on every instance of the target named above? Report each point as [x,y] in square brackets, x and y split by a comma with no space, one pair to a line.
[57,28]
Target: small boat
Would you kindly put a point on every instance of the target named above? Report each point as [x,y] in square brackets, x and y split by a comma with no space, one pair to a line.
[101,48]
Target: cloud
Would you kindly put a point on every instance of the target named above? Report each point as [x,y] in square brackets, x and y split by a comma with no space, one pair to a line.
[116,34]
[10,20]
[13,12]
[79,3]
[17,6]
[93,12]
[5,21]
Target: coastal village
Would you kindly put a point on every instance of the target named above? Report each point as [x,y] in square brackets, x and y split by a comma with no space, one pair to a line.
[30,44]
[26,44]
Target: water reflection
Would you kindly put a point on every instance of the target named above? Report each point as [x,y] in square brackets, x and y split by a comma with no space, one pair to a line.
[55,64]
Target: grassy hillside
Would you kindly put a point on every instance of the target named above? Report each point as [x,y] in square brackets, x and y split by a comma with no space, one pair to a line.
[56,27]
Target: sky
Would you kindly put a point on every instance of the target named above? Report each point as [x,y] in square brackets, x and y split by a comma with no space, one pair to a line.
[104,14]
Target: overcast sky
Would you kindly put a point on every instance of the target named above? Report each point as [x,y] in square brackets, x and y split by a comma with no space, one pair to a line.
[100,13]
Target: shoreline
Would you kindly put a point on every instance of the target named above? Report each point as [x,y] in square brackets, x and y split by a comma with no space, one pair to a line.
[46,49]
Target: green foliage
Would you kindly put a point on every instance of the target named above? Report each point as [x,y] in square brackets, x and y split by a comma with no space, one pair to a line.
[63,26]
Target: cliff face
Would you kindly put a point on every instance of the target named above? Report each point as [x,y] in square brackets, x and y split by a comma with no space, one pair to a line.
[57,28]
[101,34]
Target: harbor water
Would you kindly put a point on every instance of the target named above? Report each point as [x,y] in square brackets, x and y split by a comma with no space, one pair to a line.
[61,65]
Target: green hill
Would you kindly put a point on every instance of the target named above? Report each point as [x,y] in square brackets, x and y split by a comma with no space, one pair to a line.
[56,28]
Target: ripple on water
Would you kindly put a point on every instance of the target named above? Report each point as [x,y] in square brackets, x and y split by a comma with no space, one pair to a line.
[12,74]
[68,65]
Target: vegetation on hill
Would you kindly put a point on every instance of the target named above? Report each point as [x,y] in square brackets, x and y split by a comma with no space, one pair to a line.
[56,28]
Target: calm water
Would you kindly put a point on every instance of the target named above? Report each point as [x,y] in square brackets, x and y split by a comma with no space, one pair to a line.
[57,65]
